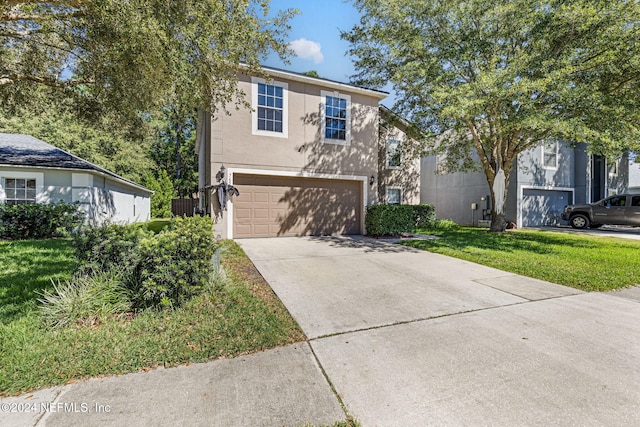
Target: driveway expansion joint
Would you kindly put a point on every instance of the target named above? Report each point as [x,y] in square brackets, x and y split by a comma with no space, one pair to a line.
[424,319]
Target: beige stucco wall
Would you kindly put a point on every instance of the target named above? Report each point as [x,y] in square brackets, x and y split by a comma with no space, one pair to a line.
[405,177]
[232,142]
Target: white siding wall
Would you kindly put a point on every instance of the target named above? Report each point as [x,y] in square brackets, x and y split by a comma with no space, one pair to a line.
[101,198]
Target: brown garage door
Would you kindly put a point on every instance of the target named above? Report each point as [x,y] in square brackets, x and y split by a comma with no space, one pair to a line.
[285,206]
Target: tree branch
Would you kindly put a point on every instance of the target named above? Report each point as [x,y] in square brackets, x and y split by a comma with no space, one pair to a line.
[477,142]
[68,3]
[16,16]
[5,80]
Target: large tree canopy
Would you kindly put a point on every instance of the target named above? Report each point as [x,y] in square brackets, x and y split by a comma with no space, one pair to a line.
[496,78]
[136,55]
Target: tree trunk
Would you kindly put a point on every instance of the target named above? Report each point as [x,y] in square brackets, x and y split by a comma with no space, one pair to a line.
[498,222]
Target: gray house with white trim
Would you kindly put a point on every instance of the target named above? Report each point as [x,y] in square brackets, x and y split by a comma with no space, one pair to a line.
[543,181]
[32,171]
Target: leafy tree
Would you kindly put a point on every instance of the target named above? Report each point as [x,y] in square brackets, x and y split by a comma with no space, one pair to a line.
[163,189]
[138,55]
[174,151]
[104,144]
[495,78]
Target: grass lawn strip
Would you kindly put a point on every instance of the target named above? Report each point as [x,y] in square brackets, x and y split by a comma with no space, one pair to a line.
[589,263]
[240,317]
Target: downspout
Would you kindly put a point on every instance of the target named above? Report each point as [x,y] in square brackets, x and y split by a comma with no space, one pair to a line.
[589,179]
[202,161]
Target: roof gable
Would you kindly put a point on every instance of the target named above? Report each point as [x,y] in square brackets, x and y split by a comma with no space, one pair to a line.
[25,150]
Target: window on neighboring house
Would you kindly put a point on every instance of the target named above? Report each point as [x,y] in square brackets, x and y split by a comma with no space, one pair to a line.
[19,190]
[336,117]
[550,154]
[393,153]
[613,167]
[394,196]
[270,108]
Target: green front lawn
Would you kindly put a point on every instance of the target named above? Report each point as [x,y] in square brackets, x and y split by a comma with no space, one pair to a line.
[590,263]
[242,316]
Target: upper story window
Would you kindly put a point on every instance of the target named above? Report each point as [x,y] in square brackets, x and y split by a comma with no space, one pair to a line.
[19,191]
[269,103]
[393,153]
[336,122]
[550,154]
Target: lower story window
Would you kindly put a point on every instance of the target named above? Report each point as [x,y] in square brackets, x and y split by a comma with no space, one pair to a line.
[394,196]
[19,190]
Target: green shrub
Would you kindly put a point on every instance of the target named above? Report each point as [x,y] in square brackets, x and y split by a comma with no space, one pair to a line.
[85,299]
[160,269]
[163,189]
[389,220]
[175,264]
[38,221]
[445,224]
[394,220]
[110,247]
[424,216]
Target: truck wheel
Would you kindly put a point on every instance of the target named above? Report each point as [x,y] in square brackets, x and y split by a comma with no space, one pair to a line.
[579,221]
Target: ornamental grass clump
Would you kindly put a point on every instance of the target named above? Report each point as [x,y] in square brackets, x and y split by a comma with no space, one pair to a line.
[85,299]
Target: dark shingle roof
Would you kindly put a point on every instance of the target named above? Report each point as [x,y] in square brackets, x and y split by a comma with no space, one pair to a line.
[25,150]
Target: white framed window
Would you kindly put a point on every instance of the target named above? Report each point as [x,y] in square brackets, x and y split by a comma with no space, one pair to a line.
[394,196]
[19,190]
[336,118]
[550,154]
[270,105]
[612,166]
[393,154]
[21,187]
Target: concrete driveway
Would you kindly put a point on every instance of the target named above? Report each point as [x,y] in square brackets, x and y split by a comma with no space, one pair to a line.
[621,232]
[408,338]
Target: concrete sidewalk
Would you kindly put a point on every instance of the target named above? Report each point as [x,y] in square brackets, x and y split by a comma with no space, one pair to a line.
[280,387]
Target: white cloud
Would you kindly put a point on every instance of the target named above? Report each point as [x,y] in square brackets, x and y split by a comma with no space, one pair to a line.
[307,49]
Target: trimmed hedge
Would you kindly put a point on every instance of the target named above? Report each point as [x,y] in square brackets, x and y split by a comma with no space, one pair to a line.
[395,220]
[38,221]
[424,216]
[175,264]
[160,270]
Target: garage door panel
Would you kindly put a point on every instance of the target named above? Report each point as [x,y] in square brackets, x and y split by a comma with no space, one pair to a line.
[543,207]
[261,213]
[260,197]
[296,206]
[243,213]
[243,229]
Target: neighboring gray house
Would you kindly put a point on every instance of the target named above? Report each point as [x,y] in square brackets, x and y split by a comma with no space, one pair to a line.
[33,171]
[544,180]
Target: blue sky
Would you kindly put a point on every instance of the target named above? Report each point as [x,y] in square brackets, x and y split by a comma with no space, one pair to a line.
[315,37]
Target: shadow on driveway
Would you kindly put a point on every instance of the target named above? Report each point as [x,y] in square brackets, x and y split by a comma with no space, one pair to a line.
[367,244]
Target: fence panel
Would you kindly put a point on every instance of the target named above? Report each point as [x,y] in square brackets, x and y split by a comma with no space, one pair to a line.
[184,207]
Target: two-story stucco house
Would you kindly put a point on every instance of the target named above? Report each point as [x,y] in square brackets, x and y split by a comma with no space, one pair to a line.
[543,181]
[306,159]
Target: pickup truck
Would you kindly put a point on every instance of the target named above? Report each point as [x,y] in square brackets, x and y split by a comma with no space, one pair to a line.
[623,209]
